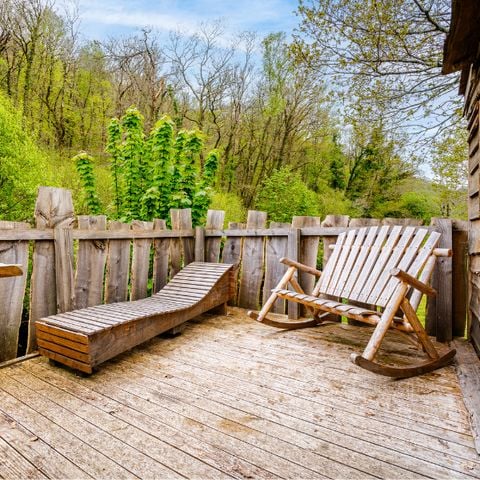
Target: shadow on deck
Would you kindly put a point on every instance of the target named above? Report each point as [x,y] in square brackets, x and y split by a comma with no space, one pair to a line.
[233,398]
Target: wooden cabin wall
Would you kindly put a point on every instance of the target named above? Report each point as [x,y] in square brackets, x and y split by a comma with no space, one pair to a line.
[472,105]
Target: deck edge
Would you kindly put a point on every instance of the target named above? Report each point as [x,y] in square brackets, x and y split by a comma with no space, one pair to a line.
[467,365]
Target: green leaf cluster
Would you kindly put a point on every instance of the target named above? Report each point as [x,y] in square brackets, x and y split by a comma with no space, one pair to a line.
[84,166]
[153,173]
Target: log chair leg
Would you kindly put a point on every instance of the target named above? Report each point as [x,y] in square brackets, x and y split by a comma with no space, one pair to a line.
[273,297]
[383,325]
[419,330]
[296,286]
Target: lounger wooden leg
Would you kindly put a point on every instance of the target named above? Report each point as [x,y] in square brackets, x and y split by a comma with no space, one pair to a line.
[419,330]
[220,310]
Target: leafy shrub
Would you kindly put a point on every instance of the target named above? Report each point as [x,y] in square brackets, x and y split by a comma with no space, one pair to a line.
[153,173]
[284,195]
[23,166]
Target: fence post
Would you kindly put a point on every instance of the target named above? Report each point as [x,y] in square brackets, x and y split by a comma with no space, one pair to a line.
[308,254]
[140,261]
[232,254]
[253,257]
[215,219]
[161,247]
[199,244]
[439,308]
[12,292]
[276,248]
[64,268]
[293,249]
[91,257]
[459,274]
[53,208]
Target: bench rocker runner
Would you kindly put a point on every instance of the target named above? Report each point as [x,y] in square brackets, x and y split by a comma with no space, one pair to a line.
[82,339]
[386,269]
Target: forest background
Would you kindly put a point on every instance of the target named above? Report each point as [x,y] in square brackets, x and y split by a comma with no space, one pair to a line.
[337,117]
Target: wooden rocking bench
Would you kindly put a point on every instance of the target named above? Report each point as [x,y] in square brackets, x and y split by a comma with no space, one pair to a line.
[385,269]
[82,339]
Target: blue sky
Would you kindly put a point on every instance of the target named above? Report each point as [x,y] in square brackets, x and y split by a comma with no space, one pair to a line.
[104,18]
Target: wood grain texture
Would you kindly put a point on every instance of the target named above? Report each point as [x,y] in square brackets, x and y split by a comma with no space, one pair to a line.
[262,406]
[275,248]
[114,328]
[215,220]
[140,262]
[232,254]
[251,274]
[439,309]
[182,251]
[91,258]
[459,277]
[118,266]
[12,292]
[64,269]
[161,248]
[53,208]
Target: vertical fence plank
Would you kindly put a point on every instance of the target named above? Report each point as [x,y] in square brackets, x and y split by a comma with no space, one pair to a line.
[91,257]
[12,292]
[118,263]
[181,220]
[199,244]
[439,308]
[251,274]
[140,261]
[332,221]
[294,254]
[232,254]
[459,277]
[308,253]
[64,269]
[54,207]
[161,247]
[215,219]
[275,249]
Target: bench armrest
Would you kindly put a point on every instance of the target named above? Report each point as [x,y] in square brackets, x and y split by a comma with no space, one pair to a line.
[301,266]
[413,282]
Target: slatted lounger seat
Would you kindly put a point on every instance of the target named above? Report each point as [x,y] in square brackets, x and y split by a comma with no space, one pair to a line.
[384,269]
[83,339]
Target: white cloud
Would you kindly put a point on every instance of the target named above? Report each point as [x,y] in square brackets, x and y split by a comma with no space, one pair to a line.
[185,15]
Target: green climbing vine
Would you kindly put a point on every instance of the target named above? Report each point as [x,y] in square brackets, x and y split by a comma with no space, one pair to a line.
[84,166]
[155,172]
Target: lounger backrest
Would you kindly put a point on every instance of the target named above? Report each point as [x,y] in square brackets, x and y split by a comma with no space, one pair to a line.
[360,264]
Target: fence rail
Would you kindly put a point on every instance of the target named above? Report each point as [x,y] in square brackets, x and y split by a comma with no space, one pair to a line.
[95,262]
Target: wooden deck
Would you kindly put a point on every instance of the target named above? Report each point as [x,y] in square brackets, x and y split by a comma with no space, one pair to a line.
[233,398]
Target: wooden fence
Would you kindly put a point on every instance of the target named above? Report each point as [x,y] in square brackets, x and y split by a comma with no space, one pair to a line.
[78,262]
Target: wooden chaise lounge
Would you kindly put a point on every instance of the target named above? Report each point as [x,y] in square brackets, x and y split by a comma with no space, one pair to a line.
[372,274]
[83,339]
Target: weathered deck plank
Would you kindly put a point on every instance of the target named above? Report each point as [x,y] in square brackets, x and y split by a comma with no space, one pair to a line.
[233,398]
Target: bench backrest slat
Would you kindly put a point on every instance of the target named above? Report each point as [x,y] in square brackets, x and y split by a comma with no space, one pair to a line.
[360,264]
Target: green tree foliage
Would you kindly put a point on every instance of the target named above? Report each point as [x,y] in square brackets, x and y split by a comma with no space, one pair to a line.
[382,51]
[284,195]
[23,166]
[449,167]
[280,109]
[84,165]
